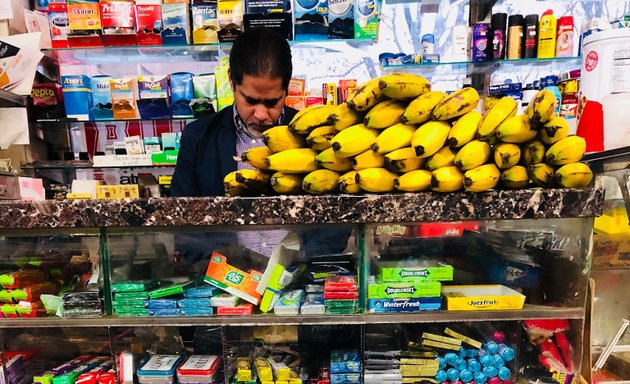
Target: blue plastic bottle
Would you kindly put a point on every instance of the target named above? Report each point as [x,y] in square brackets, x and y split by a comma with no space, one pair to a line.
[551,83]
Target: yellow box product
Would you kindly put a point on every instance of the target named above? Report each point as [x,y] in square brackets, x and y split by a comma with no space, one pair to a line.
[330,94]
[611,250]
[263,368]
[472,342]
[481,298]
[425,362]
[233,280]
[243,369]
[444,339]
[280,371]
[418,370]
[77,196]
[282,382]
[413,380]
[107,192]
[267,382]
[128,191]
[84,15]
[439,344]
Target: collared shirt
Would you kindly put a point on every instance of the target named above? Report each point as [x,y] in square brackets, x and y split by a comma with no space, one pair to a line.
[262,242]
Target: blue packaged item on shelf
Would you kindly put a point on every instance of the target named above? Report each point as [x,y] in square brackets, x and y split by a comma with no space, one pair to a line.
[164,312]
[405,305]
[202,291]
[176,24]
[345,378]
[311,19]
[159,369]
[345,361]
[190,311]
[77,96]
[160,304]
[101,98]
[201,302]
[153,102]
[181,95]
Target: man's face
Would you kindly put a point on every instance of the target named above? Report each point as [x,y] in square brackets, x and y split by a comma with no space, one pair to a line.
[259,101]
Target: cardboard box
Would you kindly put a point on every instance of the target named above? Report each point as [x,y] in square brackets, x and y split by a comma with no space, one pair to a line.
[31,189]
[149,23]
[341,19]
[481,298]
[101,98]
[611,250]
[176,24]
[59,25]
[233,280]
[366,19]
[118,20]
[129,191]
[9,187]
[230,19]
[77,96]
[311,20]
[107,192]
[205,22]
[124,96]
[382,290]
[413,270]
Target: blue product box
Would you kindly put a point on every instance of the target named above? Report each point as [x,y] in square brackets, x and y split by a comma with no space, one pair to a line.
[77,96]
[160,304]
[169,140]
[159,367]
[201,302]
[345,378]
[196,311]
[153,103]
[345,361]
[182,92]
[200,292]
[164,312]
[101,98]
[176,24]
[416,304]
[311,20]
[341,19]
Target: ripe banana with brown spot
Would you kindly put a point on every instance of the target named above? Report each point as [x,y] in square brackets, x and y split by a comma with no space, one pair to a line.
[404,86]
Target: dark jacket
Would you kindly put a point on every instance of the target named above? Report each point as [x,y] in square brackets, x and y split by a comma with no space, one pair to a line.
[206,152]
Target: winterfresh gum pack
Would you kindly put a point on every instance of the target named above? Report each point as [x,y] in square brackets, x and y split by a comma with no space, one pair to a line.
[159,369]
[412,270]
[405,305]
[199,369]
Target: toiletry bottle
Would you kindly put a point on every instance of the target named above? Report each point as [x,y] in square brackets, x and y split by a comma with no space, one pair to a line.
[551,84]
[547,35]
[531,36]
[461,42]
[498,24]
[515,37]
[564,39]
[481,40]
[428,44]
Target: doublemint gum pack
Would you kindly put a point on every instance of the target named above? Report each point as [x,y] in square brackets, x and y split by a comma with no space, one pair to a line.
[389,290]
[413,270]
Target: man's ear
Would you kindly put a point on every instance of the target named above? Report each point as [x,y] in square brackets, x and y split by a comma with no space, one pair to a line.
[230,79]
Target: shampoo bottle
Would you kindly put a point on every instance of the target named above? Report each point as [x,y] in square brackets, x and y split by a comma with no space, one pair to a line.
[547,35]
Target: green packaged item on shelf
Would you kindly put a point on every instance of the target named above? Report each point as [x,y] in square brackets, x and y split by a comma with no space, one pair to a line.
[131,295]
[341,307]
[135,286]
[126,304]
[413,270]
[175,289]
[132,312]
[45,378]
[403,290]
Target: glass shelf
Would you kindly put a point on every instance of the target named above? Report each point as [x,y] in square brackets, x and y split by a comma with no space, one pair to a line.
[70,165]
[171,53]
[528,312]
[68,121]
[481,67]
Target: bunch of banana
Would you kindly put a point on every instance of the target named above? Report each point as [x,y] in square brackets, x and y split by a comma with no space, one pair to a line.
[395,134]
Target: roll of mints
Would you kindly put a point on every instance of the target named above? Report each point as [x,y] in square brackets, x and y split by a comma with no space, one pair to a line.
[474,365]
[498,337]
[486,360]
[498,360]
[473,352]
[466,375]
[480,378]
[491,347]
[504,373]
[451,358]
[463,353]
[441,362]
[460,364]
[441,376]
[452,374]
[507,353]
[490,372]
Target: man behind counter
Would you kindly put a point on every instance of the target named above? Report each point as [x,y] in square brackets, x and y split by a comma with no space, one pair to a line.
[260,71]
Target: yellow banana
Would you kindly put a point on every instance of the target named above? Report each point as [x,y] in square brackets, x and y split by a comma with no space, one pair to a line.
[515,177]
[246,182]
[574,175]
[367,159]
[375,180]
[464,130]
[481,178]
[353,140]
[445,157]
[384,114]
[505,108]
[256,157]
[533,152]
[320,181]
[403,160]
[313,117]
[472,155]
[430,137]
[301,160]
[343,117]
[328,160]
[392,138]
[419,110]
[456,104]
[542,107]
[447,179]
[280,139]
[348,183]
[506,155]
[414,181]
[516,130]
[568,150]
[286,184]
[554,130]
[319,138]
[404,86]
[365,96]
[541,174]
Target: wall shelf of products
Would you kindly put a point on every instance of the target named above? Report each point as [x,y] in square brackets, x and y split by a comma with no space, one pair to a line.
[481,67]
[74,165]
[527,313]
[52,123]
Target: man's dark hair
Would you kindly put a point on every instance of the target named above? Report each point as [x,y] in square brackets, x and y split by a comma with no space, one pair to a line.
[261,52]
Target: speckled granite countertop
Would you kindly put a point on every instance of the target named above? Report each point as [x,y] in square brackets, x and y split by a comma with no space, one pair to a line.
[329,209]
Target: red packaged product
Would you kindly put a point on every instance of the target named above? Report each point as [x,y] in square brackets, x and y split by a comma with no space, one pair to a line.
[335,295]
[340,283]
[118,20]
[26,354]
[91,376]
[108,377]
[242,309]
[149,24]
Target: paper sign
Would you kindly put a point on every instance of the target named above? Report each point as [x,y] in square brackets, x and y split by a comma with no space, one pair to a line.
[6,12]
[19,56]
[14,127]
[38,22]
